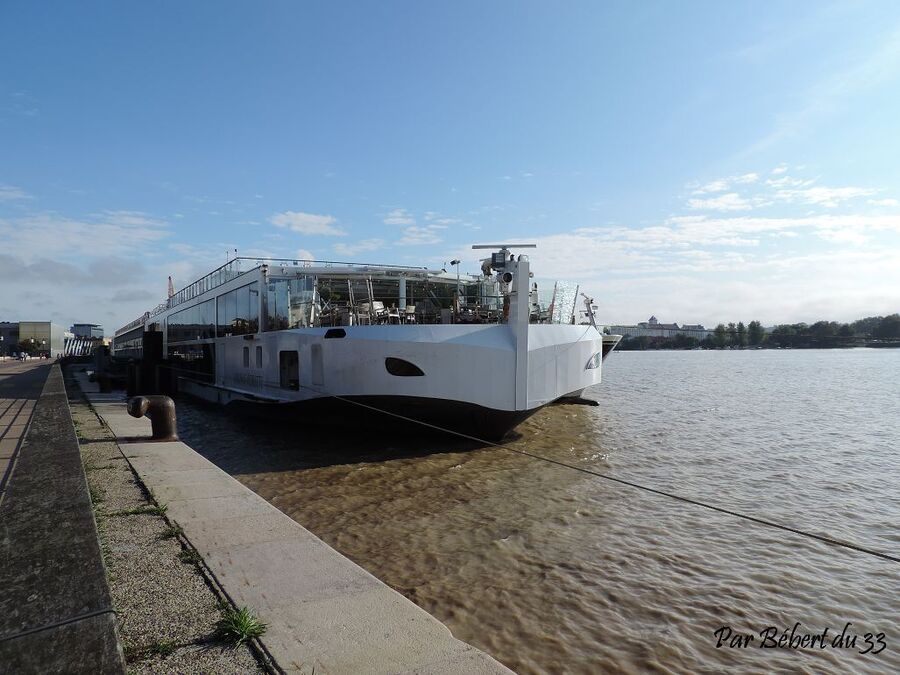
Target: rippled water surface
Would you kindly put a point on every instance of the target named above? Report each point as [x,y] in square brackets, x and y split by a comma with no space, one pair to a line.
[553,570]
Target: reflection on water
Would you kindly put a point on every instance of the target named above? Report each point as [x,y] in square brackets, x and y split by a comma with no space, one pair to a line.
[552,570]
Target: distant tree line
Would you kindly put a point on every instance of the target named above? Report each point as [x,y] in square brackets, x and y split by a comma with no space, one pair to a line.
[874,331]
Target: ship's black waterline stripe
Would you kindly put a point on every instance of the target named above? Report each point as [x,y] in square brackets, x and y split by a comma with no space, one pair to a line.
[622,481]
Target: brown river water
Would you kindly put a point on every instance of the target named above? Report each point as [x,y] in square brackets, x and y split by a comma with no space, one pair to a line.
[555,571]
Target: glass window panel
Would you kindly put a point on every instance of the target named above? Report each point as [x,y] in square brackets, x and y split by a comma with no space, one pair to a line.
[254,307]
[241,310]
[278,301]
[230,312]
[221,326]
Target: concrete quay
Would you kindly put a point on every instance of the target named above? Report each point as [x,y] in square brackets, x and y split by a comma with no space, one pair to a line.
[325,614]
[56,612]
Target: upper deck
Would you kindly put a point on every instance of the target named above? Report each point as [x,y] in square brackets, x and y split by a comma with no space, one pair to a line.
[248,295]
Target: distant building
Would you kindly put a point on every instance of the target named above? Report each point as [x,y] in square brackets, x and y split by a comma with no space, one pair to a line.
[9,337]
[42,337]
[653,328]
[91,331]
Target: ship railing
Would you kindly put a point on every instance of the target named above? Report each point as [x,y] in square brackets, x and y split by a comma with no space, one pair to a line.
[133,324]
[233,269]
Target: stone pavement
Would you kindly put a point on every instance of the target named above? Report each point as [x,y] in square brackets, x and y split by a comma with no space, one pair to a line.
[20,387]
[325,614]
[55,608]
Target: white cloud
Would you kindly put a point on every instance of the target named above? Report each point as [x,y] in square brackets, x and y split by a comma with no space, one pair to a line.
[359,247]
[779,169]
[723,184]
[852,237]
[111,233]
[307,223]
[399,217]
[10,193]
[746,178]
[731,201]
[713,186]
[884,202]
[417,236]
[679,271]
[823,196]
[304,254]
[788,182]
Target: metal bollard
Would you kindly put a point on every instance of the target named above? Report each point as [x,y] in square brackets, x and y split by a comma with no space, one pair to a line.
[161,411]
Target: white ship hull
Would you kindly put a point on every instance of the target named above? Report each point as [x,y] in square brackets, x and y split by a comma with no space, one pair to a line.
[289,340]
[468,372]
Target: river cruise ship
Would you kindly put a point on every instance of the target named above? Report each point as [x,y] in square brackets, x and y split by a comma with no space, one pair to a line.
[475,354]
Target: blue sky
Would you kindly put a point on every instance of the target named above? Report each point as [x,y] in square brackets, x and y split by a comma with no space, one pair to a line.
[702,161]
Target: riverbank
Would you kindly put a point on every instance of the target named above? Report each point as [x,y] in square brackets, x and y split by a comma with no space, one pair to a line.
[324,613]
[167,609]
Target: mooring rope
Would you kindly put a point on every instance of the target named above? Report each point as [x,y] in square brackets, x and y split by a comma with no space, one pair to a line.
[663,493]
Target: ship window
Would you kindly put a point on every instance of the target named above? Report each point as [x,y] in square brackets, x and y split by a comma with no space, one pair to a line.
[246,357]
[594,361]
[289,370]
[258,357]
[193,323]
[402,368]
[238,311]
[335,333]
[289,303]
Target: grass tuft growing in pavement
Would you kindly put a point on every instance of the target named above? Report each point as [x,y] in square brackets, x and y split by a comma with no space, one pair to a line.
[171,532]
[162,647]
[191,556]
[238,626]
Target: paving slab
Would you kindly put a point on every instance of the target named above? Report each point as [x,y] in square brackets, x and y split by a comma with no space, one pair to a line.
[227,533]
[123,425]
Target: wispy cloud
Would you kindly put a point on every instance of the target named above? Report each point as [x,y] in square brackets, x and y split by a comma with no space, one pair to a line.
[823,196]
[10,193]
[784,189]
[20,103]
[399,217]
[723,184]
[307,223]
[416,236]
[746,178]
[731,201]
[107,233]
